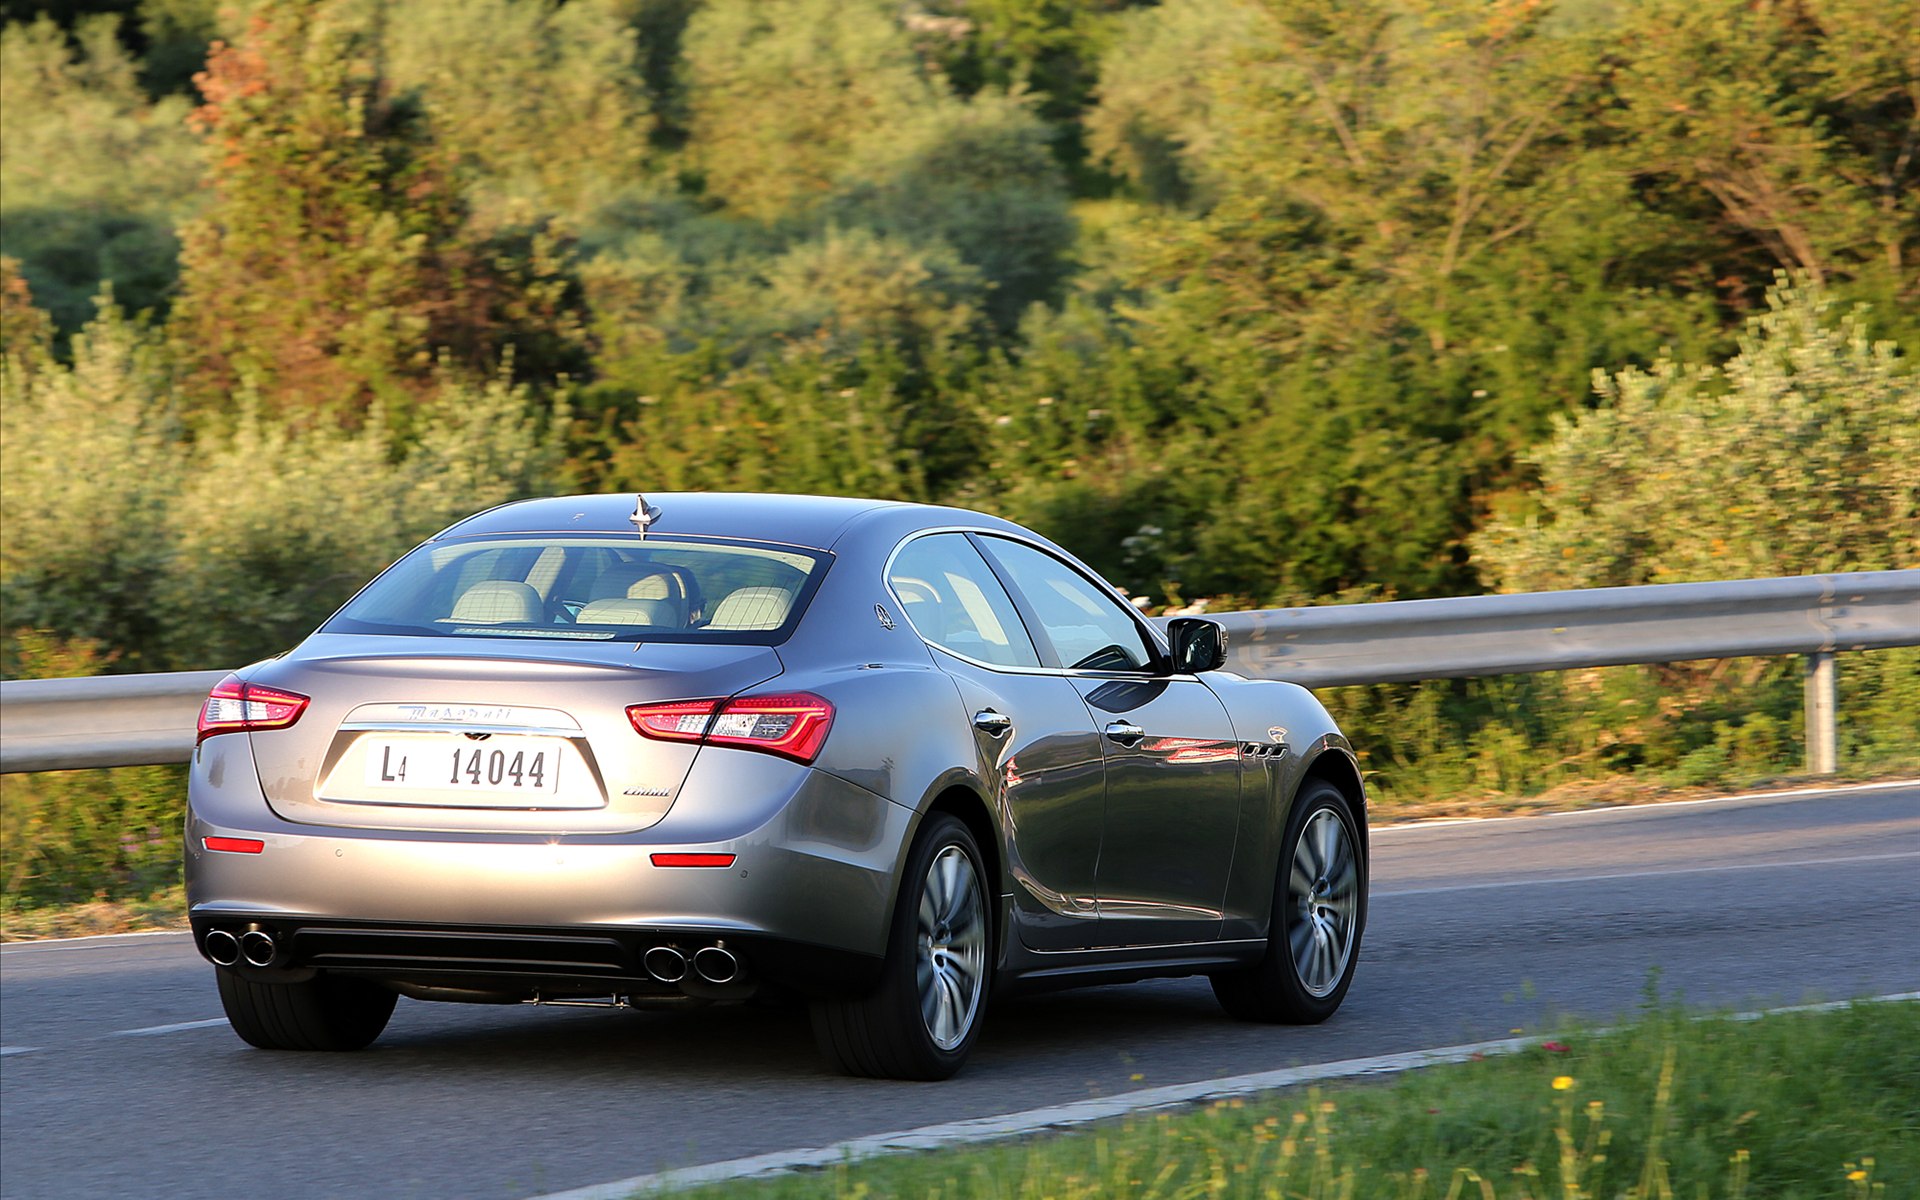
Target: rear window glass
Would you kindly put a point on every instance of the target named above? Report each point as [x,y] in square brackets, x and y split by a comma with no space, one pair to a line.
[606,589]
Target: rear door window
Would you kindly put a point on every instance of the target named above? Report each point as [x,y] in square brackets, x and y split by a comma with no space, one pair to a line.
[953,600]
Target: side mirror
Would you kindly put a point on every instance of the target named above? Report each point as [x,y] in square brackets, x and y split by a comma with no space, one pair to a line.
[1198,645]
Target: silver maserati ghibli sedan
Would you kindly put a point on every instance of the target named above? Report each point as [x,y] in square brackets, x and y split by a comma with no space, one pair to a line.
[888,760]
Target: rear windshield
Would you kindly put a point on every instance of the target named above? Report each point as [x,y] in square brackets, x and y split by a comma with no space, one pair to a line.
[604,589]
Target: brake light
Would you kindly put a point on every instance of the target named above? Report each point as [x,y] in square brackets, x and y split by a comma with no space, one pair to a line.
[236,705]
[793,725]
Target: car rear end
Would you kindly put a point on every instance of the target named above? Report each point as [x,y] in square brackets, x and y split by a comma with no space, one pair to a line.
[546,766]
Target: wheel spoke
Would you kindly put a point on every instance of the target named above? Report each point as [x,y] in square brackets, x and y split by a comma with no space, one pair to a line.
[1300,940]
[1327,839]
[960,902]
[940,885]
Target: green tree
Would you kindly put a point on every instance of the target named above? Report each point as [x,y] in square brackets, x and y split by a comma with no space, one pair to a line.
[1800,454]
[1789,130]
[541,103]
[1049,49]
[1154,124]
[976,175]
[780,90]
[95,177]
[336,262]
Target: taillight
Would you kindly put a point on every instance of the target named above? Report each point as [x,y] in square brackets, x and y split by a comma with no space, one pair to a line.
[792,725]
[237,705]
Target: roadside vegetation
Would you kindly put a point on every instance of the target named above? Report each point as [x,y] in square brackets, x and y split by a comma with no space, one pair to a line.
[1251,303]
[1790,1106]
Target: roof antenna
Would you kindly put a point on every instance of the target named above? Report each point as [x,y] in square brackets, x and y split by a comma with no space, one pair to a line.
[644,514]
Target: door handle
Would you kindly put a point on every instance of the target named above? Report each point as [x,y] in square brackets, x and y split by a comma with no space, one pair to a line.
[996,723]
[1125,732]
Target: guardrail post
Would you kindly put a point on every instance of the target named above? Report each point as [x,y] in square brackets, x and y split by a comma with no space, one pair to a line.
[1823,702]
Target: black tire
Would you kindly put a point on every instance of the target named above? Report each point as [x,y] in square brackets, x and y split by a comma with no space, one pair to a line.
[323,1013]
[1279,989]
[889,1034]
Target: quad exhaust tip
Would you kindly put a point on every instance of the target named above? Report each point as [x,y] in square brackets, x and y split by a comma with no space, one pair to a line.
[222,947]
[666,964]
[256,946]
[716,964]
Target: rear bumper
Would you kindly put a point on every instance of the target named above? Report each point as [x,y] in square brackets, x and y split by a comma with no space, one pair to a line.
[813,880]
[521,962]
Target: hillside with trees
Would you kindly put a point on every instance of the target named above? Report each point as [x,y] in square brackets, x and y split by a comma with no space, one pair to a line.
[1255,302]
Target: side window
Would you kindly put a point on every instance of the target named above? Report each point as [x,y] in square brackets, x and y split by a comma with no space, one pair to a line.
[1088,628]
[947,591]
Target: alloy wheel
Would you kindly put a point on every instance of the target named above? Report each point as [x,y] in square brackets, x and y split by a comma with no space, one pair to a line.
[1322,892]
[952,941]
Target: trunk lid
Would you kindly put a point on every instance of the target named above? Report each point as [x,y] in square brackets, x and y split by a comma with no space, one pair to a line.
[486,736]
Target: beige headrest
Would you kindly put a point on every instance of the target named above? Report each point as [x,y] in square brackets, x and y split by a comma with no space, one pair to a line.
[620,611]
[497,601]
[752,608]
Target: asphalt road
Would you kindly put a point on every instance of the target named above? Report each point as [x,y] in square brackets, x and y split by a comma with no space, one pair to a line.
[120,1080]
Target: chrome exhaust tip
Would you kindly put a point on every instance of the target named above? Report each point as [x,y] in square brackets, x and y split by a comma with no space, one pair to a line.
[716,964]
[222,947]
[666,964]
[256,945]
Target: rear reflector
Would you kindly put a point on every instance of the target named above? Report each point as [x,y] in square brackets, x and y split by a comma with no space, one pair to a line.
[693,860]
[235,845]
[792,725]
[236,705]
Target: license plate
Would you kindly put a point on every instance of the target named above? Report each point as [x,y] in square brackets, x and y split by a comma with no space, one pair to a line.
[499,767]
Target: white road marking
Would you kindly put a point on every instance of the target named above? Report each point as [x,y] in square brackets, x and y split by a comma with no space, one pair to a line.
[8,1051]
[1080,1112]
[1549,880]
[176,1027]
[1891,785]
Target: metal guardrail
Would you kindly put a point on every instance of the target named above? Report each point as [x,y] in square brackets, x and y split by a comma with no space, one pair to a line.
[101,721]
[134,720]
[1554,631]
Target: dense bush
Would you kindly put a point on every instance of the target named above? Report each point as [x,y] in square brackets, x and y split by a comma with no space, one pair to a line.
[179,549]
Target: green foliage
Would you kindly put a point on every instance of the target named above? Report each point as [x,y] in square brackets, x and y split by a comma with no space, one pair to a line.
[95,178]
[80,549]
[977,176]
[1153,124]
[505,82]
[780,90]
[211,550]
[73,836]
[1050,49]
[177,34]
[1800,455]
[336,260]
[1788,126]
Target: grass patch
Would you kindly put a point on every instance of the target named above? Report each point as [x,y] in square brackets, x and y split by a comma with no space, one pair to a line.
[1797,1105]
[166,908]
